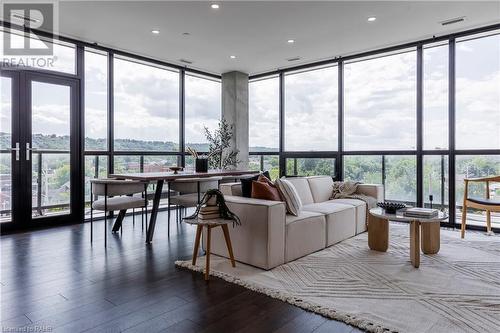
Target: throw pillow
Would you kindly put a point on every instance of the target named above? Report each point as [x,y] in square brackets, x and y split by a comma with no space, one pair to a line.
[246,184]
[264,190]
[290,195]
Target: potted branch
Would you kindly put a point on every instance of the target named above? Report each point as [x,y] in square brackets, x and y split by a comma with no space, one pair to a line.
[221,155]
[200,161]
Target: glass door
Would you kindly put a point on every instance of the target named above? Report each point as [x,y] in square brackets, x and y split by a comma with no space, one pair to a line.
[40,154]
[9,147]
[51,147]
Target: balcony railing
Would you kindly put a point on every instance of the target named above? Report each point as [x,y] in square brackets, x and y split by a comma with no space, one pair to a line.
[45,204]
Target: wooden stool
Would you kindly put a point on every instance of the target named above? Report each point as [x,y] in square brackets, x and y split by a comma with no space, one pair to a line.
[210,224]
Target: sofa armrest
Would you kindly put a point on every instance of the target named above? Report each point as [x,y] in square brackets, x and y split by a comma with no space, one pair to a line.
[260,239]
[233,189]
[373,190]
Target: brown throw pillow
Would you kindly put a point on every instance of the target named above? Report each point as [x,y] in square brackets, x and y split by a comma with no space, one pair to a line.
[265,191]
[264,179]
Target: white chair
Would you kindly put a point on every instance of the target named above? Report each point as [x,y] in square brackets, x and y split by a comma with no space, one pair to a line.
[117,195]
[190,193]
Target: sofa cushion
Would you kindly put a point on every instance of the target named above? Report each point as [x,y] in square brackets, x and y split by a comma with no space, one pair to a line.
[326,207]
[304,234]
[360,207]
[321,187]
[304,215]
[290,196]
[340,220]
[302,186]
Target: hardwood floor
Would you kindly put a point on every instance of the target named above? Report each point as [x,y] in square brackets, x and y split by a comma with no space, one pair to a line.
[56,280]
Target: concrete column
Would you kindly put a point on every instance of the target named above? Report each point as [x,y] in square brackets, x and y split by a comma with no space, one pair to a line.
[235,111]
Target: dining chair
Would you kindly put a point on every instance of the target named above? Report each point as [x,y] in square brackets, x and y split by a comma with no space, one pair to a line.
[118,195]
[190,193]
[488,204]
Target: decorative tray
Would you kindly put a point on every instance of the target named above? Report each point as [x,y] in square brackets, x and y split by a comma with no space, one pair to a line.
[391,207]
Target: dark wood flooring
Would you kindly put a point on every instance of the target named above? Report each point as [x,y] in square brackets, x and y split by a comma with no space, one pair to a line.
[55,280]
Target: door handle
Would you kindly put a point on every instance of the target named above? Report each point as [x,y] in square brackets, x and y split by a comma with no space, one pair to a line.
[17,150]
[28,151]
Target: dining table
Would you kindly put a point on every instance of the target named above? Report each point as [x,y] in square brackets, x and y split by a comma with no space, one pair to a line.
[167,177]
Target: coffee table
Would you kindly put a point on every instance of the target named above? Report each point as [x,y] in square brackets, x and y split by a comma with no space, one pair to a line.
[378,232]
[209,224]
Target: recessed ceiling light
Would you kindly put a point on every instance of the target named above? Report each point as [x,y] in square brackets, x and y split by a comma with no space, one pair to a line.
[186,34]
[371,19]
[232,57]
[290,41]
[155,31]
[214,6]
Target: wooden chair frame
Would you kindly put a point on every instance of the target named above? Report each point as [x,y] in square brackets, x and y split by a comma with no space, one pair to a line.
[471,204]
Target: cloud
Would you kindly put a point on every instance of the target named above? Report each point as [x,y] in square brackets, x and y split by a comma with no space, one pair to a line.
[203,107]
[380,103]
[264,113]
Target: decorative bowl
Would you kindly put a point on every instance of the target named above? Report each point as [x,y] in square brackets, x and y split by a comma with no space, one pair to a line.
[175,169]
[391,207]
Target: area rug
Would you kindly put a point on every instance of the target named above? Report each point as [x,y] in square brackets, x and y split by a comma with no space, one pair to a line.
[456,290]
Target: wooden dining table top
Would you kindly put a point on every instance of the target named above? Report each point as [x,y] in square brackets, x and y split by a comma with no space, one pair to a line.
[167,176]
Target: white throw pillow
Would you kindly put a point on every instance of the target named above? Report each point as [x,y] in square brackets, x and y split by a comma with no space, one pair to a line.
[290,195]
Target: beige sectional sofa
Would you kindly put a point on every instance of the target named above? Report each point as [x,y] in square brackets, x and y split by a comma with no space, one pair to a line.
[268,237]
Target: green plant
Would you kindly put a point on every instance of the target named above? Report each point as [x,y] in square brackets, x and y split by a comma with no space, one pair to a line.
[221,156]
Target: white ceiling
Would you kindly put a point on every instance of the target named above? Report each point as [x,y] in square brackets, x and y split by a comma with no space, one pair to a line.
[257,31]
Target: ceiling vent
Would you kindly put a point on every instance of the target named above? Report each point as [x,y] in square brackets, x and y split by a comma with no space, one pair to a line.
[453,20]
[293,59]
[186,61]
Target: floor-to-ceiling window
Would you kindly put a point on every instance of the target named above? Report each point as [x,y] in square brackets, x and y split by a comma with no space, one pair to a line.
[96,118]
[38,138]
[146,116]
[311,121]
[380,103]
[203,100]
[146,107]
[477,119]
[397,124]
[5,145]
[131,119]
[380,115]
[264,133]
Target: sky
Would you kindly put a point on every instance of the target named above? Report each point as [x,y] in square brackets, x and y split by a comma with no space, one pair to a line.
[380,102]
[147,102]
[379,99]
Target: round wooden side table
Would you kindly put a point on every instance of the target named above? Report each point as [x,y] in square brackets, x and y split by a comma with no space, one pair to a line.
[209,225]
[378,232]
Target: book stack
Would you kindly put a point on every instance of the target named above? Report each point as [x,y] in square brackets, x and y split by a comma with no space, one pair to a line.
[209,212]
[421,212]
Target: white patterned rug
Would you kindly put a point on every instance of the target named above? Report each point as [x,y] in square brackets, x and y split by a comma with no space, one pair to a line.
[456,290]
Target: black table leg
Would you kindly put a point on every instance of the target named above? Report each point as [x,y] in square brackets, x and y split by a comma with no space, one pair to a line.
[119,219]
[154,211]
[168,214]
